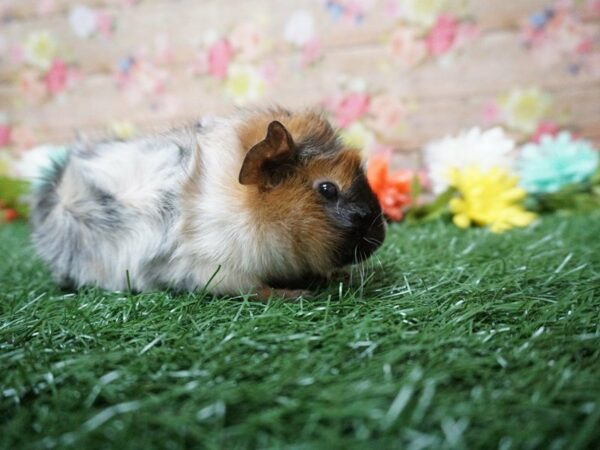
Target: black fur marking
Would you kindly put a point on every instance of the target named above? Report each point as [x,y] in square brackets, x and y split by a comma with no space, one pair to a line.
[357,215]
[324,143]
[307,281]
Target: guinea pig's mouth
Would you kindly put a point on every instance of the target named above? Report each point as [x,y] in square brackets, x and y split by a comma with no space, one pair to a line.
[363,244]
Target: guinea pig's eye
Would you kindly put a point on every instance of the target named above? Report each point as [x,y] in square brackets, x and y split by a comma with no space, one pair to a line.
[328,190]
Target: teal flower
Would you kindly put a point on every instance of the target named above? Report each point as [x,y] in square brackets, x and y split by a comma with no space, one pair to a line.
[556,161]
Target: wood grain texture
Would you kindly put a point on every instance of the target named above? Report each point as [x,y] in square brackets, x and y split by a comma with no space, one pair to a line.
[442,95]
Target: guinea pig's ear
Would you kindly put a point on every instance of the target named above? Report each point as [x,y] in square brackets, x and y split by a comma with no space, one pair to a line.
[269,161]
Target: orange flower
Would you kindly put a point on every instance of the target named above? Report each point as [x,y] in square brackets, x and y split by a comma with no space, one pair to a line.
[393,189]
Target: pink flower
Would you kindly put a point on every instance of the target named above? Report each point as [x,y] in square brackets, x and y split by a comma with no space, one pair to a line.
[31,87]
[442,36]
[219,56]
[311,52]
[351,108]
[387,113]
[491,113]
[104,24]
[199,65]
[406,47]
[56,78]
[543,129]
[594,7]
[5,132]
[269,71]
[248,41]
[585,46]
[23,138]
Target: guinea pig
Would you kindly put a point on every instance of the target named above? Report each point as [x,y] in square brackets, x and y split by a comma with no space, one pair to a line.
[258,200]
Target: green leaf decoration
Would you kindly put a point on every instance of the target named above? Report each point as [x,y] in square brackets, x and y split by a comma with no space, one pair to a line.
[433,210]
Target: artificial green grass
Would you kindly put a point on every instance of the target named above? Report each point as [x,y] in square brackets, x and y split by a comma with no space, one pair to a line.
[452,339]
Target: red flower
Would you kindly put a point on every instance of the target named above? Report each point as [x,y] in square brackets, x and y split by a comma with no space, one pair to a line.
[393,190]
[545,128]
[10,215]
[56,78]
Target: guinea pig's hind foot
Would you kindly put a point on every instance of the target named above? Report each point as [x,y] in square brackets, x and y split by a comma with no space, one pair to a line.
[290,295]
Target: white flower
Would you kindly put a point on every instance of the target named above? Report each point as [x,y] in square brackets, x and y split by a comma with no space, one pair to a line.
[299,28]
[40,49]
[523,109]
[244,83]
[473,148]
[83,21]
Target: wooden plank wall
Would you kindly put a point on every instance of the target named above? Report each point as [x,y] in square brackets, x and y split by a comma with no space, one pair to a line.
[441,95]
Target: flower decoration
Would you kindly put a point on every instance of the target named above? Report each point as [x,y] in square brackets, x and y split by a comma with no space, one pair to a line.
[300,31]
[5,132]
[351,107]
[40,48]
[442,35]
[244,83]
[300,28]
[86,22]
[46,74]
[248,41]
[386,114]
[122,129]
[366,120]
[421,12]
[545,128]
[488,198]
[231,60]
[82,20]
[392,188]
[219,56]
[311,52]
[411,44]
[350,11]
[556,161]
[523,109]
[144,76]
[56,78]
[406,47]
[558,33]
[473,148]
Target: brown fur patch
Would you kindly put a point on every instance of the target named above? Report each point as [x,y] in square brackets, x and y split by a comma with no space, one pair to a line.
[301,126]
[294,209]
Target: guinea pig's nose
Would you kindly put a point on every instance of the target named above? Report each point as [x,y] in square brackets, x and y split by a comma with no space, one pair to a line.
[363,215]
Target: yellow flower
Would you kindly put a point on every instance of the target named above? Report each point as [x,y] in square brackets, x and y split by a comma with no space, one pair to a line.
[40,49]
[358,136]
[525,108]
[422,12]
[122,129]
[491,198]
[244,83]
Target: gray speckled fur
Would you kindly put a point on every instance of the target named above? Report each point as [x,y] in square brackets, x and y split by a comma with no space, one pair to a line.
[81,223]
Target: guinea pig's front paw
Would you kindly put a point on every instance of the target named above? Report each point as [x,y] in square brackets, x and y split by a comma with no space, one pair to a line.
[340,274]
[266,293]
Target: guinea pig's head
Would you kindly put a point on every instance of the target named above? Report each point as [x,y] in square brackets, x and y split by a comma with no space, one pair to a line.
[310,191]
